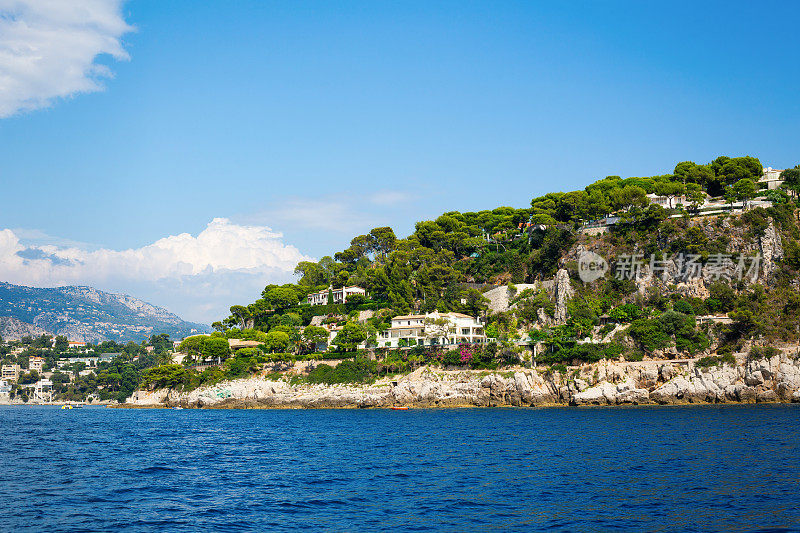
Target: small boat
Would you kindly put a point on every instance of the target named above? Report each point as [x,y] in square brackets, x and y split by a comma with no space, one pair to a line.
[399,408]
[178,408]
[66,406]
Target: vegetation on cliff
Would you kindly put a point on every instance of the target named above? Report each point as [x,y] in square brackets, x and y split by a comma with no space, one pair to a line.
[447,263]
[555,317]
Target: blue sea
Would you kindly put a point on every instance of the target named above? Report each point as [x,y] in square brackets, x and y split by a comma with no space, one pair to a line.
[709,468]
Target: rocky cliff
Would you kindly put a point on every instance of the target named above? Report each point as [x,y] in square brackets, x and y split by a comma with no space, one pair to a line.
[12,328]
[775,379]
[674,273]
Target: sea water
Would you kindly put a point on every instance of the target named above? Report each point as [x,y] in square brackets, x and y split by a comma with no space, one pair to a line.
[623,469]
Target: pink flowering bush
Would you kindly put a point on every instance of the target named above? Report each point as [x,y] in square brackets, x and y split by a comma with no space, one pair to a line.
[466,354]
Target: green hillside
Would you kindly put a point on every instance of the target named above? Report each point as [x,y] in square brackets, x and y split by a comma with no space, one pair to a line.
[447,264]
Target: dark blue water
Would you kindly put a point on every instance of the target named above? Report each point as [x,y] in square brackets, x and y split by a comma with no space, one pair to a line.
[660,469]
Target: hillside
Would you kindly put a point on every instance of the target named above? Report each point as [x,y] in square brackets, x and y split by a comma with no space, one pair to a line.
[85,313]
[698,261]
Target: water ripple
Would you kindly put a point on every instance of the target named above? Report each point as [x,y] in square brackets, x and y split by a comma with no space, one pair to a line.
[659,469]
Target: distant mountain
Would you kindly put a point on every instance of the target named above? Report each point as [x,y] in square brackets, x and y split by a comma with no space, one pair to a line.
[85,313]
[13,328]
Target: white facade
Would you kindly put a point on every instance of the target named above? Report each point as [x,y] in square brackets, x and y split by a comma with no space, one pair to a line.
[35,363]
[42,390]
[10,372]
[772,178]
[667,202]
[339,296]
[88,361]
[419,330]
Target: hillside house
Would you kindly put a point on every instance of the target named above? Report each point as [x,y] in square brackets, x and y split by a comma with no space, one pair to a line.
[421,330]
[10,372]
[235,344]
[771,179]
[35,363]
[667,202]
[338,296]
[90,362]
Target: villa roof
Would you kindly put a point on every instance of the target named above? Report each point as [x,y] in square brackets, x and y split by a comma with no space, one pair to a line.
[433,315]
[239,343]
[325,291]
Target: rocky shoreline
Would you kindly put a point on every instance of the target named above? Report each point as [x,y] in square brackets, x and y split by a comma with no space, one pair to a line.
[775,379]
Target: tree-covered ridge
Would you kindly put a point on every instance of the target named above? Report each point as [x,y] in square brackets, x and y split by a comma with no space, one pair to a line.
[526,260]
[428,270]
[449,264]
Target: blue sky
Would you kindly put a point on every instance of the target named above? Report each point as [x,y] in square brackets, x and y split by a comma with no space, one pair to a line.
[323,120]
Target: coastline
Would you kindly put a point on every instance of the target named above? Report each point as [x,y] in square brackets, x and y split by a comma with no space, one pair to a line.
[605,383]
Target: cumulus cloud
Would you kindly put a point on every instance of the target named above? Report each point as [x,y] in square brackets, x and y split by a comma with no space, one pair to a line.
[196,277]
[49,48]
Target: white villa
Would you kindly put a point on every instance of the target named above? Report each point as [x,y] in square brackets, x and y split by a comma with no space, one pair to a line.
[667,202]
[772,178]
[420,330]
[35,363]
[339,296]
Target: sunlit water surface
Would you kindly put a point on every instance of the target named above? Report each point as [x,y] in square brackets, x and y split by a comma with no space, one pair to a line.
[628,469]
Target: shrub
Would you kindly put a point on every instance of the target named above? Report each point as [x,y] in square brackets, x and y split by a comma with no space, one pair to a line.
[709,361]
[765,352]
[705,362]
[625,313]
[757,220]
[216,348]
[635,355]
[239,366]
[682,306]
[588,353]
[166,376]
[358,371]
[452,358]
[480,357]
[649,334]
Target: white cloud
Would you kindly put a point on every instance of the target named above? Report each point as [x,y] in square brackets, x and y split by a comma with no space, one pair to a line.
[48,49]
[390,198]
[196,277]
[38,237]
